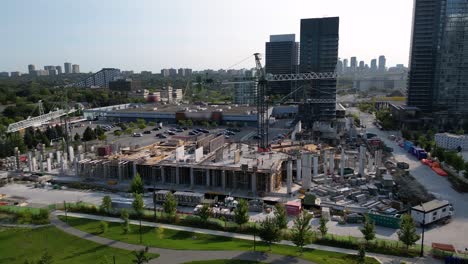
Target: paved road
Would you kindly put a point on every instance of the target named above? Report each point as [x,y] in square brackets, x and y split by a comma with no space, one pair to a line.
[453,233]
[179,256]
[382,258]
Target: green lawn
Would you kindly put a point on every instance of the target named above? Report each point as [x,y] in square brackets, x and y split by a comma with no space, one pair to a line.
[20,244]
[225,261]
[173,239]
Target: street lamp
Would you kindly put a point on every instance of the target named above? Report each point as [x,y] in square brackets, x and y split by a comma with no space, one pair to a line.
[421,254]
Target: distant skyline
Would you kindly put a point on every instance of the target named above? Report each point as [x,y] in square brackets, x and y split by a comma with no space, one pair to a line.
[206,34]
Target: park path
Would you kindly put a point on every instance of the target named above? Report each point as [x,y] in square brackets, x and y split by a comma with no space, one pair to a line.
[180,256]
[177,256]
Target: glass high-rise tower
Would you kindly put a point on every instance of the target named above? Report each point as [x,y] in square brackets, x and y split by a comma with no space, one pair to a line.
[438,75]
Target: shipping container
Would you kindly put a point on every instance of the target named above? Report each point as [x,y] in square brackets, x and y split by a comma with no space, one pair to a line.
[293,207]
[385,220]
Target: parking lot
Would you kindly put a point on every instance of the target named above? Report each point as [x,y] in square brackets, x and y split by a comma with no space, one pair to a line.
[149,135]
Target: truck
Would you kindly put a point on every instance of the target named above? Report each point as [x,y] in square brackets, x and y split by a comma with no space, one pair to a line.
[419,153]
[403,165]
[407,145]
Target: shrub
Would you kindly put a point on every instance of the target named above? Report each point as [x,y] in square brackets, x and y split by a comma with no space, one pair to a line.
[103,226]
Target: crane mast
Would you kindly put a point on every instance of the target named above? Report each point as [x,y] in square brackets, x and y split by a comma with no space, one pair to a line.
[262,106]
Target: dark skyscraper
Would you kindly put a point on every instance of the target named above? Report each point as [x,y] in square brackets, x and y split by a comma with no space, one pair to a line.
[382,62]
[68,67]
[373,65]
[353,65]
[319,53]
[282,56]
[438,69]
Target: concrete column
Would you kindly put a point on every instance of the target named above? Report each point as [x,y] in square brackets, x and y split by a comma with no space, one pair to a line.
[362,156]
[71,153]
[59,156]
[306,170]
[223,179]
[30,165]
[34,163]
[253,182]
[289,176]
[81,156]
[192,178]
[49,165]
[177,175]
[80,149]
[163,176]
[134,169]
[315,159]
[17,161]
[119,168]
[325,162]
[51,156]
[378,158]
[332,162]
[207,178]
[299,169]
[342,163]
[41,162]
[75,163]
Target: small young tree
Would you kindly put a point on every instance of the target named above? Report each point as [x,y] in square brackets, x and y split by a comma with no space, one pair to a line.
[117,133]
[281,216]
[361,253]
[46,258]
[323,226]
[204,213]
[269,231]
[137,185]
[301,233]
[89,134]
[159,232]
[106,204]
[241,213]
[368,230]
[407,233]
[126,224]
[141,256]
[103,226]
[138,208]
[77,137]
[170,205]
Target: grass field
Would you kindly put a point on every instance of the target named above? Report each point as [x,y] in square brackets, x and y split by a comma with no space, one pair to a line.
[20,244]
[173,239]
[225,261]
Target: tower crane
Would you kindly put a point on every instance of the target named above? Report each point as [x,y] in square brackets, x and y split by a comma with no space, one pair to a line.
[262,99]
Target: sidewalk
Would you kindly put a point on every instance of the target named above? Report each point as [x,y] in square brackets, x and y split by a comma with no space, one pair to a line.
[177,256]
[382,258]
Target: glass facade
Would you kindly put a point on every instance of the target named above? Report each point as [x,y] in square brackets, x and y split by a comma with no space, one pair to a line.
[438,76]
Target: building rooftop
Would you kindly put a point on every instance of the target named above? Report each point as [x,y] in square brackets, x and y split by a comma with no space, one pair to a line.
[172,108]
[431,206]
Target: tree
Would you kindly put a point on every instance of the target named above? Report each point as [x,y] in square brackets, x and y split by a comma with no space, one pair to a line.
[126,224]
[280,216]
[159,231]
[458,163]
[102,137]
[106,204]
[204,213]
[241,213]
[407,233]
[361,253]
[117,133]
[323,226]
[189,123]
[77,137]
[301,233]
[137,185]
[368,230]
[99,131]
[89,134]
[141,256]
[151,124]
[466,169]
[138,207]
[170,205]
[46,258]
[128,131]
[269,231]
[103,226]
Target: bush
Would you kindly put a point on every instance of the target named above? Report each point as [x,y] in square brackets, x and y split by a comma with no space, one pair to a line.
[103,226]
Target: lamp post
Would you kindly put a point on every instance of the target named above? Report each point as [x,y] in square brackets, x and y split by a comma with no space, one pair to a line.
[255,234]
[421,254]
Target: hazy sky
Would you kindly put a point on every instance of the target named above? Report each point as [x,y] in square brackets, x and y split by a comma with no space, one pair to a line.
[150,35]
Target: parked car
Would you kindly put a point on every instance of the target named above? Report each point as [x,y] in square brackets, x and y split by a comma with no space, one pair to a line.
[137,135]
[147,132]
[156,129]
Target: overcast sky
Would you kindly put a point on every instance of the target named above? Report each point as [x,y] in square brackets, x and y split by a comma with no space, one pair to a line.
[203,34]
